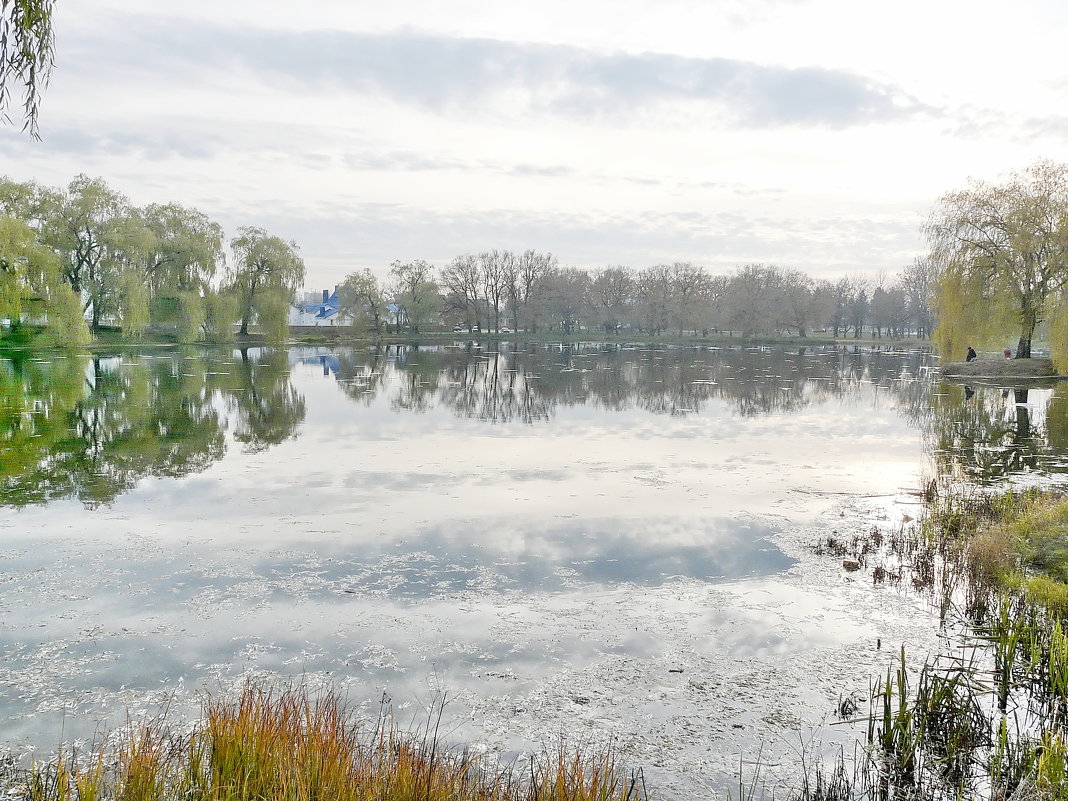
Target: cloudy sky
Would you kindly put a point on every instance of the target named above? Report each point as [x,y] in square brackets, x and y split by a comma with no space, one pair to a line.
[809,133]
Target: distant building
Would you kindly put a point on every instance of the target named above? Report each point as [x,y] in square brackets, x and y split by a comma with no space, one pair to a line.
[316,311]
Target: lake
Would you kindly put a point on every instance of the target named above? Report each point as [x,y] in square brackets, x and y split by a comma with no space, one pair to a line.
[580,541]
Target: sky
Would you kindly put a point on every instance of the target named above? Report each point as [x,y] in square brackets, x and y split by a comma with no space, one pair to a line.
[814,134]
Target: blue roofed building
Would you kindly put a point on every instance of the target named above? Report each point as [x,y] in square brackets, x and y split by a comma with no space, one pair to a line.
[316,311]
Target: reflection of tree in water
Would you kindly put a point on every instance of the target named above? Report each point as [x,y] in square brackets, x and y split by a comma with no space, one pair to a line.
[112,426]
[987,433]
[531,383]
[269,409]
[492,388]
[92,428]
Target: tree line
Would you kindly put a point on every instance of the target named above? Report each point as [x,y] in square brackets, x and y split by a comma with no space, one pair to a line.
[83,257]
[501,290]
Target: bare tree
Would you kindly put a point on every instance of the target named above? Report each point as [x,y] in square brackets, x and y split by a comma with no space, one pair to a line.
[689,285]
[524,276]
[917,282]
[462,282]
[611,291]
[494,268]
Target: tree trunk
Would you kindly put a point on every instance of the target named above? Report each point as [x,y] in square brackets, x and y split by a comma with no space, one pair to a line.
[1023,347]
[1027,332]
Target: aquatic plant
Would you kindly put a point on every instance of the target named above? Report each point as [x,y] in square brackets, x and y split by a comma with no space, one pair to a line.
[986,718]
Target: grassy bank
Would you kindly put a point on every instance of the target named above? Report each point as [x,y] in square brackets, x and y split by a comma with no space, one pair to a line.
[986,718]
[290,745]
[30,338]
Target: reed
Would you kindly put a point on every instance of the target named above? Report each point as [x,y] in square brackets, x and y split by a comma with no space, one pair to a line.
[990,726]
[294,745]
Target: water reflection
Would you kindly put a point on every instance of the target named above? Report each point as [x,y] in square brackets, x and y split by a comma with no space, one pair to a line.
[989,433]
[92,427]
[529,384]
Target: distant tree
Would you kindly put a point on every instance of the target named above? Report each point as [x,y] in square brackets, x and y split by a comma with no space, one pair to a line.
[917,281]
[191,314]
[798,301]
[689,291]
[841,297]
[753,301]
[361,299]
[654,293]
[495,267]
[610,293]
[823,303]
[67,326]
[857,304]
[1001,252]
[567,298]
[265,273]
[26,56]
[186,248]
[416,292]
[524,281]
[462,283]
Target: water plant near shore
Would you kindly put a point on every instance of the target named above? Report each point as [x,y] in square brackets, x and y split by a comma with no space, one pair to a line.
[292,745]
[986,718]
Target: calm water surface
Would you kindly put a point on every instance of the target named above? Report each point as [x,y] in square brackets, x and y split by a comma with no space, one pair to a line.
[596,540]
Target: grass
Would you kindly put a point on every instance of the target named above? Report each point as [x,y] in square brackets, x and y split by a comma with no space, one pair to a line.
[994,725]
[291,745]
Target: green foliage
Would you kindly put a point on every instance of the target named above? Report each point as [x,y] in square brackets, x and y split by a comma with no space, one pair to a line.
[417,294]
[362,301]
[66,323]
[272,314]
[1048,593]
[191,310]
[969,313]
[186,248]
[1001,252]
[265,273]
[16,246]
[26,52]
[220,314]
[1058,332]
[136,266]
[133,316]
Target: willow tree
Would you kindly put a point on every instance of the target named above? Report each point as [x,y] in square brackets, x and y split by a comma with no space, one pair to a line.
[1001,253]
[266,271]
[26,52]
[26,268]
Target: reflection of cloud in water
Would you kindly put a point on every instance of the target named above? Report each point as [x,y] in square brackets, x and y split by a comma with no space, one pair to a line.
[505,553]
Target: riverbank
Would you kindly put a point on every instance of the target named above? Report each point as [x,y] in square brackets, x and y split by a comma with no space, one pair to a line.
[985,718]
[344,336]
[1036,368]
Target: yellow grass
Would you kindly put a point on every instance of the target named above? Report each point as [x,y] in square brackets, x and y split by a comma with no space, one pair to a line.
[291,745]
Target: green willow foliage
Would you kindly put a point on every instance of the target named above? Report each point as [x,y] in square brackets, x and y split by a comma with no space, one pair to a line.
[133,267]
[1001,253]
[27,46]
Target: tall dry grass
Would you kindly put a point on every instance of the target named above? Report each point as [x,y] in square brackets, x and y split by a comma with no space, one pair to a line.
[293,745]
